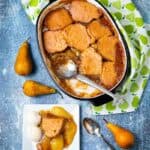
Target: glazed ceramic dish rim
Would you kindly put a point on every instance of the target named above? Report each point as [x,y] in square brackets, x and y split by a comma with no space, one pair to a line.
[53,5]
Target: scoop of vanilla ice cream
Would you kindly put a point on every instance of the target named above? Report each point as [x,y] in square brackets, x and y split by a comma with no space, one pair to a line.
[33,118]
[34,133]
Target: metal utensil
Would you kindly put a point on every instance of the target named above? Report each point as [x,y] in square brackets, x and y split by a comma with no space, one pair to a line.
[69,70]
[93,128]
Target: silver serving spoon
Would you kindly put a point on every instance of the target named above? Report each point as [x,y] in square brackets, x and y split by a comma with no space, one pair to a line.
[69,70]
[93,128]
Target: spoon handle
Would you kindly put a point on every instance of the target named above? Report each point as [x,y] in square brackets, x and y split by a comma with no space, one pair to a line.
[109,145]
[93,84]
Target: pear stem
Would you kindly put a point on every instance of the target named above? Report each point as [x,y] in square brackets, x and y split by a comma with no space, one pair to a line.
[28,39]
[60,94]
[105,120]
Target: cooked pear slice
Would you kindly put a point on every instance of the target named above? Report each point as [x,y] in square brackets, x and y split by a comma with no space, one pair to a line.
[57,143]
[69,132]
[60,112]
[44,144]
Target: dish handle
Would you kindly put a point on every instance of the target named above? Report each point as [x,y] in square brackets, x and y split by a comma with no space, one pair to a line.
[101,100]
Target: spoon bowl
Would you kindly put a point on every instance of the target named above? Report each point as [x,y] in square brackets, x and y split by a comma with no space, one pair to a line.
[67,70]
[91,126]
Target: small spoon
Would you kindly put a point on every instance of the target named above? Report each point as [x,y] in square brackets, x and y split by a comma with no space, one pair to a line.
[69,70]
[93,128]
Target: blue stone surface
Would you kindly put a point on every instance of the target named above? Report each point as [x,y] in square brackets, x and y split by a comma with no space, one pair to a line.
[15,28]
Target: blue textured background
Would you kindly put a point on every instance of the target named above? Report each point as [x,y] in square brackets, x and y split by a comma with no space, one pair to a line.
[15,28]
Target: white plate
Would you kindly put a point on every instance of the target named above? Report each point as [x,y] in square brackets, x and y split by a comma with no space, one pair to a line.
[71,108]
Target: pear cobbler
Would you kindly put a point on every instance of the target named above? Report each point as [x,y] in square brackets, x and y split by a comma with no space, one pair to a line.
[80,31]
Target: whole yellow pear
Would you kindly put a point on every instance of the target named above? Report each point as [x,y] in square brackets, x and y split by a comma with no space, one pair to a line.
[33,88]
[23,64]
[123,137]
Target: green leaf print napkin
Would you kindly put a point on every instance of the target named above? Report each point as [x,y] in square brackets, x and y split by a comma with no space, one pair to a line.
[136,34]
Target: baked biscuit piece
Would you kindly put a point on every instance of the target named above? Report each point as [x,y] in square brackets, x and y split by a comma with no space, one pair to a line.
[77,37]
[98,30]
[91,62]
[109,75]
[83,11]
[54,41]
[107,47]
[52,126]
[58,19]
